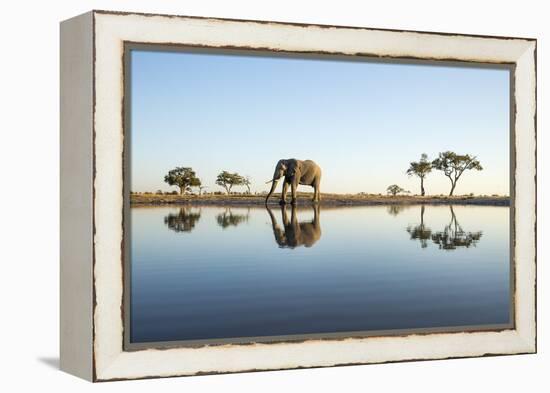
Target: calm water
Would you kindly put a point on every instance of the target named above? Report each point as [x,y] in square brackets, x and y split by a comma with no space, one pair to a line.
[216,272]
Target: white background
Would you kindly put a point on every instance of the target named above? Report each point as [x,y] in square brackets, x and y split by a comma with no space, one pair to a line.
[29,182]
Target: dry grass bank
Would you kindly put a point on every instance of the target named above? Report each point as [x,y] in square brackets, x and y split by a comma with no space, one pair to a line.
[326,199]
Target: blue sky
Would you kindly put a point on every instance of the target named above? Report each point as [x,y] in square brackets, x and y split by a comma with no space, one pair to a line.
[362,122]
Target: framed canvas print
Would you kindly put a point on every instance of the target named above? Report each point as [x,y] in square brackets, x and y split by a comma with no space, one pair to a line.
[246,195]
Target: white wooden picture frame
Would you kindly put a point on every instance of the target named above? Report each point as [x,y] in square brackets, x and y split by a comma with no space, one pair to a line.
[92,202]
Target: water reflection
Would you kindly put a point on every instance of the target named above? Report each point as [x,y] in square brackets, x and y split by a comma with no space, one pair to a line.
[420,232]
[228,218]
[453,236]
[294,233]
[366,274]
[183,221]
[394,210]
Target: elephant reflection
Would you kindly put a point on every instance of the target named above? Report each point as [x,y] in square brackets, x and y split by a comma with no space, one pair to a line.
[184,221]
[228,218]
[296,234]
[450,238]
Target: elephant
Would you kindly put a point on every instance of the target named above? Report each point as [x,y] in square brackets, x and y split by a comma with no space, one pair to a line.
[296,172]
[296,234]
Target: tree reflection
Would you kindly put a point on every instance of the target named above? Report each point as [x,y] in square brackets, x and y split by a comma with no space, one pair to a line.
[295,234]
[228,218]
[394,210]
[453,236]
[420,232]
[184,221]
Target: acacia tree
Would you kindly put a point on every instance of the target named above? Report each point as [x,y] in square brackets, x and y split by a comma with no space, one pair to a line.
[196,182]
[454,165]
[420,169]
[394,189]
[182,177]
[247,183]
[201,187]
[228,180]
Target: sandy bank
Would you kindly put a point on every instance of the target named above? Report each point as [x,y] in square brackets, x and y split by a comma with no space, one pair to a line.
[326,200]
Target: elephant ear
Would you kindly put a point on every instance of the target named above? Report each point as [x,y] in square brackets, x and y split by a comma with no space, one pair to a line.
[293,167]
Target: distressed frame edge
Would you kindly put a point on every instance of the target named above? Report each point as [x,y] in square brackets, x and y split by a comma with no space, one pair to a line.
[526,133]
[305,24]
[528,347]
[260,370]
[76,207]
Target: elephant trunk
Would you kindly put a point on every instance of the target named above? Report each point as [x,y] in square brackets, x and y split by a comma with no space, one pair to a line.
[273,185]
[277,232]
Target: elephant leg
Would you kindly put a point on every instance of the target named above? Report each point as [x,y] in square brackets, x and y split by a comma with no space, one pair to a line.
[316,192]
[315,221]
[294,217]
[283,193]
[293,187]
[284,216]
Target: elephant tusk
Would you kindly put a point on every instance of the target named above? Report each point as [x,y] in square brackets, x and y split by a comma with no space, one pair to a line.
[267,182]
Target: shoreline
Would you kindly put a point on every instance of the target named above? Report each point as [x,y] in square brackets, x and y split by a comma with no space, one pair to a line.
[329,200]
